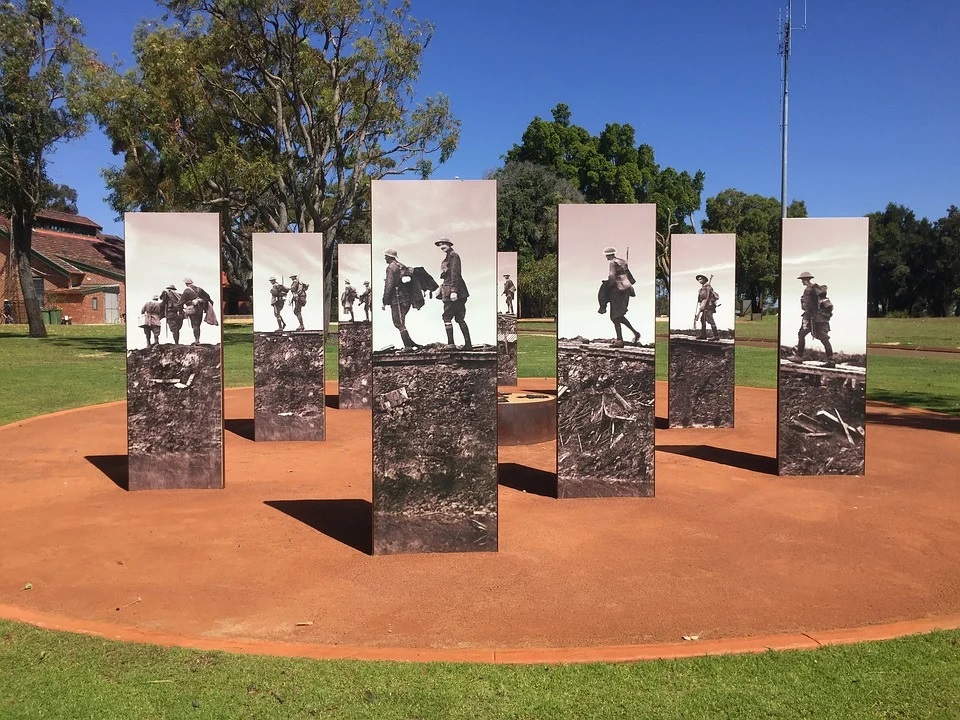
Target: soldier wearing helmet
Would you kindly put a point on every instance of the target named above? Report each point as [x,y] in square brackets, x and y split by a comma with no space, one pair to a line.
[815,320]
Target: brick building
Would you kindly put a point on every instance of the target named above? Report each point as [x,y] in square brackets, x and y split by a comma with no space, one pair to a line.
[76,268]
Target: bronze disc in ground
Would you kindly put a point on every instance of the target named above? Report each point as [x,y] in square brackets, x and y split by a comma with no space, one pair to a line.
[726,550]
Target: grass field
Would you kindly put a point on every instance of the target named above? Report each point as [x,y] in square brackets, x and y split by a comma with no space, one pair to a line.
[47,674]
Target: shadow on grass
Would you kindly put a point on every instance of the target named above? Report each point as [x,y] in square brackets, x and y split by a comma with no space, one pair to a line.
[91,342]
[926,401]
[723,456]
[527,479]
[347,521]
[942,423]
[243,427]
[113,466]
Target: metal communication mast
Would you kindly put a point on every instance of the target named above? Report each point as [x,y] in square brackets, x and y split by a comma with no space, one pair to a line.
[784,33]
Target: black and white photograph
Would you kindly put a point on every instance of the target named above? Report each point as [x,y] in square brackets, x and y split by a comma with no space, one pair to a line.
[823,347]
[434,257]
[288,337]
[174,351]
[702,332]
[355,327]
[507,313]
[605,352]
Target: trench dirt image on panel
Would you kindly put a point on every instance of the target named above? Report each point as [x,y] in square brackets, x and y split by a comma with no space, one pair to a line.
[355,334]
[823,345]
[702,333]
[507,307]
[605,352]
[174,358]
[288,336]
[434,366]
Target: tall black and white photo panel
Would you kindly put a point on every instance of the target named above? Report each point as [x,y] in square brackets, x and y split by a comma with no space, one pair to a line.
[354,335]
[605,351]
[823,347]
[434,255]
[507,314]
[702,334]
[174,351]
[288,336]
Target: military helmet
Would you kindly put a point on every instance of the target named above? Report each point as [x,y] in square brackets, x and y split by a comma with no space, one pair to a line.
[444,241]
[390,253]
[804,275]
[187,281]
[610,250]
[171,286]
[293,277]
[702,277]
[272,278]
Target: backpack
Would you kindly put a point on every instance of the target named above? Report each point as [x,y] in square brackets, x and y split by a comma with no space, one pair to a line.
[424,280]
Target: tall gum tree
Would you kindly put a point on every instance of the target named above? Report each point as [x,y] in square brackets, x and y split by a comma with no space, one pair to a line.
[41,56]
[275,113]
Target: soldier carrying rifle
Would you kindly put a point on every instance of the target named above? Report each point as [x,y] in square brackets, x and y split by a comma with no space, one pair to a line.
[706,306]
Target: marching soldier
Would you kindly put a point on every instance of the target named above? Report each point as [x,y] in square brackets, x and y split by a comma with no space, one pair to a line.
[453,293]
[398,293]
[706,306]
[298,297]
[509,292]
[194,302]
[347,298]
[278,298]
[171,311]
[817,311]
[617,291]
[366,298]
[151,312]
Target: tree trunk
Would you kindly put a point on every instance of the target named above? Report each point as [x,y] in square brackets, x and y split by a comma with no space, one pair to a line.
[329,245]
[22,240]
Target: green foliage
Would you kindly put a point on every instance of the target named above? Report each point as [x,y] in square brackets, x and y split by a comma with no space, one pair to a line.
[41,93]
[275,113]
[61,198]
[612,168]
[914,265]
[756,221]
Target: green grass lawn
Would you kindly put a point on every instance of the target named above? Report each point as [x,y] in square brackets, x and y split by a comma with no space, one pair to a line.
[57,675]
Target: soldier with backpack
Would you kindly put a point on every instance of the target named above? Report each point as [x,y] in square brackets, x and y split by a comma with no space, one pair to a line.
[171,311]
[401,293]
[298,298]
[347,298]
[817,311]
[278,298]
[706,307]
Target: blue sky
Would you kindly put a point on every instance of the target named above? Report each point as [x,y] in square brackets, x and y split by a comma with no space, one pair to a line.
[874,107]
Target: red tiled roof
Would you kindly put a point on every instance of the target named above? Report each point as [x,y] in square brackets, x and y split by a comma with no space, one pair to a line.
[68,218]
[103,252]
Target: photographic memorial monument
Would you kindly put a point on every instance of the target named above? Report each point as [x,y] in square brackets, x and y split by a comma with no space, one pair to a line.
[354,335]
[507,314]
[702,331]
[605,352]
[823,347]
[288,336]
[434,366]
[174,351]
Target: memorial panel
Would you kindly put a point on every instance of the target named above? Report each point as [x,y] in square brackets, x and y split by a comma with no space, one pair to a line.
[605,352]
[174,358]
[288,336]
[507,313]
[702,332]
[434,366]
[823,347]
[354,327]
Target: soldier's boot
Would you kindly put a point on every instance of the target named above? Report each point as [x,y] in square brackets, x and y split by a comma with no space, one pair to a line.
[702,335]
[449,328]
[408,342]
[828,349]
[467,345]
[176,337]
[716,333]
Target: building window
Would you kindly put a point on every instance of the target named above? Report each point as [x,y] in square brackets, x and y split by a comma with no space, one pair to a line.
[38,289]
[95,303]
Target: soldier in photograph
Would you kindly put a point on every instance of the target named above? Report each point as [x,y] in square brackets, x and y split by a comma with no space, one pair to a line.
[453,293]
[171,311]
[400,294]
[706,307]
[817,311]
[194,302]
[616,291]
[509,292]
[278,298]
[366,299]
[298,298]
[150,322]
[347,298]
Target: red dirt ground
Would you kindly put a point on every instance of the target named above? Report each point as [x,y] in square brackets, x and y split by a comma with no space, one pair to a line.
[726,550]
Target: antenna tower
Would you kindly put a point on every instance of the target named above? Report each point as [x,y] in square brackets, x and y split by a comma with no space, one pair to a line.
[784,34]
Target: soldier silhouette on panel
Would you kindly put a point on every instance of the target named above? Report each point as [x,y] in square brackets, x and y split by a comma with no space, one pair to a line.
[616,291]
[453,293]
[347,298]
[278,298]
[366,299]
[298,298]
[399,293]
[195,302]
[815,321]
[171,311]
[509,292]
[151,311]
[706,307]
